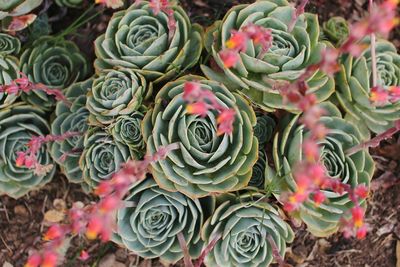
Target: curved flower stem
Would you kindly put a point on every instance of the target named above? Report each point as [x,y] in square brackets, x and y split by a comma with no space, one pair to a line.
[297,13]
[186,256]
[275,251]
[373,52]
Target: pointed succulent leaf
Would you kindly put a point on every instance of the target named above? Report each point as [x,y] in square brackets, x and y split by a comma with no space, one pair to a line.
[70,3]
[13,8]
[9,71]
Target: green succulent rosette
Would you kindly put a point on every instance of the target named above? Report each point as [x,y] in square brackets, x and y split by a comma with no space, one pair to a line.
[354,170]
[14,8]
[150,224]
[70,3]
[354,83]
[264,128]
[245,225]
[205,163]
[127,129]
[71,118]
[336,30]
[102,156]
[258,178]
[54,62]
[140,40]
[9,45]
[115,93]
[256,73]
[18,124]
[9,71]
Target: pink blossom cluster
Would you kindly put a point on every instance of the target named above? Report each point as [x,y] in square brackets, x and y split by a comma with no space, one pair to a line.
[29,158]
[381,96]
[239,40]
[202,100]
[24,85]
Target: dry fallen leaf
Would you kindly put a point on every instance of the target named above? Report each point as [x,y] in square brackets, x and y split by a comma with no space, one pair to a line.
[54,216]
[398,253]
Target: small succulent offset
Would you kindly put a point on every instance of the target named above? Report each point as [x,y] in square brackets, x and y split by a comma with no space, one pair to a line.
[246,227]
[18,124]
[9,45]
[264,128]
[127,130]
[102,156]
[12,8]
[70,3]
[71,118]
[150,224]
[54,62]
[356,169]
[141,40]
[258,72]
[115,93]
[336,30]
[258,177]
[354,83]
[206,163]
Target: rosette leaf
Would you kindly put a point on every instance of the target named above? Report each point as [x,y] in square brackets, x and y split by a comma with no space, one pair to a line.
[354,170]
[257,71]
[13,8]
[354,83]
[151,225]
[127,130]
[141,40]
[336,30]
[56,63]
[71,118]
[245,228]
[102,156]
[18,124]
[9,45]
[9,71]
[206,163]
[70,3]
[115,93]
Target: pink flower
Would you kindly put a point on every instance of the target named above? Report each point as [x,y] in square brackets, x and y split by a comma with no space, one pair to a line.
[84,255]
[192,91]
[49,259]
[319,198]
[34,261]
[225,121]
[238,41]
[198,108]
[229,57]
[114,4]
[54,232]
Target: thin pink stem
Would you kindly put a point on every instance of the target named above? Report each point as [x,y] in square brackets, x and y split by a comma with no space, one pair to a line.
[373,52]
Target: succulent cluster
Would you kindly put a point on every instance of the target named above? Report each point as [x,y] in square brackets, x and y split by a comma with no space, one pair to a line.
[217,187]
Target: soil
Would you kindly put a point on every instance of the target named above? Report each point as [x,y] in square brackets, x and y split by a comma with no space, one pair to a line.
[22,221]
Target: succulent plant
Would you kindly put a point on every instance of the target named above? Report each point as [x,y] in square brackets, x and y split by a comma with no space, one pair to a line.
[71,118]
[355,169]
[127,130]
[257,72]
[12,8]
[245,227]
[354,83]
[9,72]
[138,39]
[258,177]
[54,62]
[336,30]
[115,93]
[70,3]
[205,163]
[264,128]
[9,45]
[102,156]
[150,227]
[18,124]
